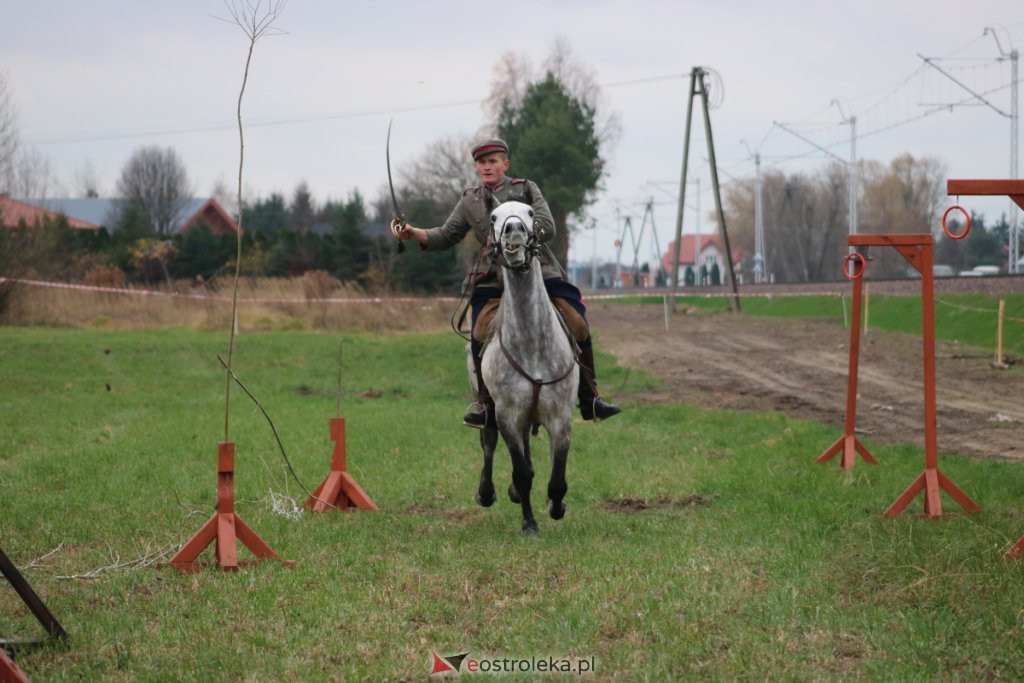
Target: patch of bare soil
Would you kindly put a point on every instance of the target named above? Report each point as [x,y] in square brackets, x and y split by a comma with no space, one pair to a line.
[800,366]
[659,503]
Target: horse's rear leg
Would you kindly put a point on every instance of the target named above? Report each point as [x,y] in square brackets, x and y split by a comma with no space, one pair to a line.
[485,494]
[557,486]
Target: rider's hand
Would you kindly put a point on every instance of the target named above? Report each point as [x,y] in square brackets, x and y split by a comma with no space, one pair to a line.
[410,233]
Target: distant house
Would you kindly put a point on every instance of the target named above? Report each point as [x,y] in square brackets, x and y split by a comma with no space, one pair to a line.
[14,213]
[699,263]
[106,212]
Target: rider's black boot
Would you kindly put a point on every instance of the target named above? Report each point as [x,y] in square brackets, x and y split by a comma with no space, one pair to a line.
[484,418]
[592,406]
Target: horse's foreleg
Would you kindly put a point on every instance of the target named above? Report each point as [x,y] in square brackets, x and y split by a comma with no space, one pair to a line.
[557,486]
[522,476]
[485,495]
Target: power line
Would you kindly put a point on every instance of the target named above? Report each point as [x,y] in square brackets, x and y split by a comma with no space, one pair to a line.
[208,128]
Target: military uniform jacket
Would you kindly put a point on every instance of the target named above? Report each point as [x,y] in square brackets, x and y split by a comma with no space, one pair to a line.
[473,213]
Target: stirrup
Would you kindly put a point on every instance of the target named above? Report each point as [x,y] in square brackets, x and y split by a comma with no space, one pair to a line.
[480,419]
[598,409]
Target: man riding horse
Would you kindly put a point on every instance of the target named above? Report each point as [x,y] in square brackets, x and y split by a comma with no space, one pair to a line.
[473,212]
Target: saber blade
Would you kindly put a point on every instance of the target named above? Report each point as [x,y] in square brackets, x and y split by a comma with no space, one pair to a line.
[399,220]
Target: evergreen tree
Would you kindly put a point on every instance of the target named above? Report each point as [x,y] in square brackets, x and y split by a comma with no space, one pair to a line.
[553,140]
[346,248]
[267,216]
[200,252]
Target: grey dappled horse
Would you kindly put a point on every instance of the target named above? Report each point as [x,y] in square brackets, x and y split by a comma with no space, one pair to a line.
[529,366]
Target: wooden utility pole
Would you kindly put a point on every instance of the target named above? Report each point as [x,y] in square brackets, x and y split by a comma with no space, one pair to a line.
[698,87]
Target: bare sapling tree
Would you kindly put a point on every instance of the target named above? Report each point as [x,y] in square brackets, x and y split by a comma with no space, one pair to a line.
[256,19]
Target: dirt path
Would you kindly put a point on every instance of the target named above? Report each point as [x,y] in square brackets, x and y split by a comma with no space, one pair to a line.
[799,366]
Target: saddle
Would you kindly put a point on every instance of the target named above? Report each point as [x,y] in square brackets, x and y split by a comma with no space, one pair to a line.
[489,320]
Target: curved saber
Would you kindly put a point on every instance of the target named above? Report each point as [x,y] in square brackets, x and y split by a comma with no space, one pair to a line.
[398,222]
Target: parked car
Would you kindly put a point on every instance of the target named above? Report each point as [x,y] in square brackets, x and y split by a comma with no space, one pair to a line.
[980,271]
[942,270]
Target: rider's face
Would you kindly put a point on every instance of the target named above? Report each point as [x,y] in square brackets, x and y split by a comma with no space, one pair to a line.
[491,168]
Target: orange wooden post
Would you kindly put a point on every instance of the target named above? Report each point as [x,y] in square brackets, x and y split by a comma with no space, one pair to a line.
[224,528]
[9,671]
[848,443]
[1016,550]
[339,491]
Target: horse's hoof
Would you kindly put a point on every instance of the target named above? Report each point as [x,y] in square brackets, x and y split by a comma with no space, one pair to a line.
[513,495]
[486,500]
[530,527]
[556,512]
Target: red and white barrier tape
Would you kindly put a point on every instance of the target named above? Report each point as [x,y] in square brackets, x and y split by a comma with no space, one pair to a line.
[207,297]
[709,295]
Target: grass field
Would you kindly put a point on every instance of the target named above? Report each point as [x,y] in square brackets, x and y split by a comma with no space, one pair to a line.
[698,543]
[971,319]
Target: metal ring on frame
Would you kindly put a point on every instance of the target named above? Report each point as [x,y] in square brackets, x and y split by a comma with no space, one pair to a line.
[857,273]
[945,227]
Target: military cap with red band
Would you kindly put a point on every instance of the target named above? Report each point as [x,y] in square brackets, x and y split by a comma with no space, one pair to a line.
[490,147]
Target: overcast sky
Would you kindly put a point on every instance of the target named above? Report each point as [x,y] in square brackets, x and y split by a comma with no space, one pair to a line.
[94,80]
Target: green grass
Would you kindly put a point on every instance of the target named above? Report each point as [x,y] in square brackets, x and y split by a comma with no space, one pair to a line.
[971,319]
[751,562]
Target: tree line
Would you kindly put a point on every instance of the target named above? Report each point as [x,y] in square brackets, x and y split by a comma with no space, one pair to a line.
[552,117]
[805,219]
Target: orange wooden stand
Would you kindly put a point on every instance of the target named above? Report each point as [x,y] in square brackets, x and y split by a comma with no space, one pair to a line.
[848,443]
[917,250]
[9,671]
[339,491]
[1014,189]
[224,528]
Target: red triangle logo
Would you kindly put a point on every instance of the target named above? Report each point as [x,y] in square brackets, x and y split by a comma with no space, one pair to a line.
[440,665]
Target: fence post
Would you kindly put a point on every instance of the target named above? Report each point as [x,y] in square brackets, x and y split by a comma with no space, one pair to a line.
[999,336]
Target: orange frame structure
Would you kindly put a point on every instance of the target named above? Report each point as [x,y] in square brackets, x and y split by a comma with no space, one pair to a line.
[224,528]
[1014,189]
[339,491]
[917,250]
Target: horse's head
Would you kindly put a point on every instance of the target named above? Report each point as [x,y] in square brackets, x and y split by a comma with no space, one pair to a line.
[512,230]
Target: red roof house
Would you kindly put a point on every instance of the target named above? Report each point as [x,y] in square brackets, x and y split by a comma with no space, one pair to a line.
[13,213]
[710,245]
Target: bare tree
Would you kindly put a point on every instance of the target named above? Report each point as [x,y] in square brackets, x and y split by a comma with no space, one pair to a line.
[805,215]
[30,174]
[224,195]
[87,180]
[804,222]
[580,81]
[155,179]
[902,196]
[509,77]
[441,172]
[513,72]
[8,132]
[437,178]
